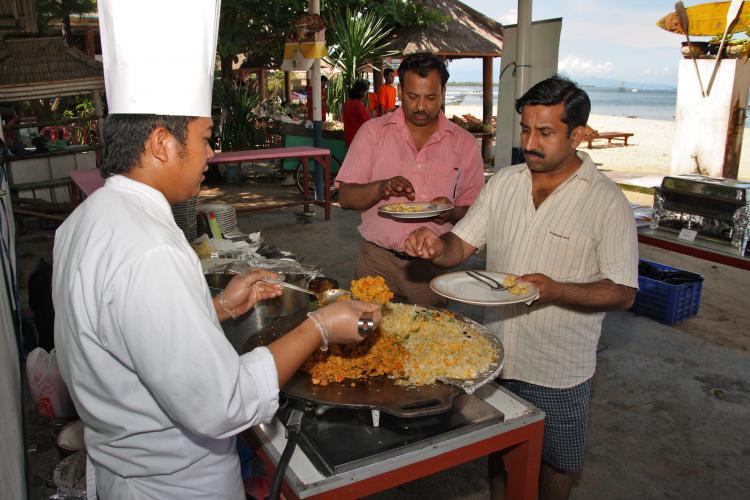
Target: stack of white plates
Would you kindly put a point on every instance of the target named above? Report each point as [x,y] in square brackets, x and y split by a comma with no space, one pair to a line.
[225,215]
[186,217]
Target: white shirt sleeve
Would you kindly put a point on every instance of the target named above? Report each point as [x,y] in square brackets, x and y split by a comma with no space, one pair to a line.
[179,352]
[472,228]
[618,246]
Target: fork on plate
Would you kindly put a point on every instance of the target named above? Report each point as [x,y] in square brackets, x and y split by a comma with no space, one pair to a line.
[487,280]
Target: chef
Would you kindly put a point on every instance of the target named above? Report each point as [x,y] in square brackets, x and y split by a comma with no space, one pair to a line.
[160,390]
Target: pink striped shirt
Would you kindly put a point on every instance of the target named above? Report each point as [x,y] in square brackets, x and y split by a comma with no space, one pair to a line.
[449,164]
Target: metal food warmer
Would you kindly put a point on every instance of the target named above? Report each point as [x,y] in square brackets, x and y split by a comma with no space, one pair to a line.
[717,209]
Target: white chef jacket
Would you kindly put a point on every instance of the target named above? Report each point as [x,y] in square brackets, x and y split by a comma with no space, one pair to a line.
[161,391]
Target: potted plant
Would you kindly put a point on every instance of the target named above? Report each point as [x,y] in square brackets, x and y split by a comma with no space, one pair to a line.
[698,49]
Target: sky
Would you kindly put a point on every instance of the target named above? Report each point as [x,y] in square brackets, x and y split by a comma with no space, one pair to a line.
[601,39]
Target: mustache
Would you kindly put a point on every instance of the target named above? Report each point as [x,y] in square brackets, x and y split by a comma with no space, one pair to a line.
[527,152]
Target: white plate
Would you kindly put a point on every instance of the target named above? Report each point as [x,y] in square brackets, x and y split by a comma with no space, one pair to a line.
[216,208]
[463,288]
[423,210]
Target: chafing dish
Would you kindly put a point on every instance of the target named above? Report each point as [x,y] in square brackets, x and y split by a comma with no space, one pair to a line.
[718,209]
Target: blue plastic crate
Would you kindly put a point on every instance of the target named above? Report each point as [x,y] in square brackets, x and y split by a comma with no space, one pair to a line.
[665,303]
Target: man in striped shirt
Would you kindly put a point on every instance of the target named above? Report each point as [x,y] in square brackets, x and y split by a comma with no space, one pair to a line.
[560,224]
[412,154]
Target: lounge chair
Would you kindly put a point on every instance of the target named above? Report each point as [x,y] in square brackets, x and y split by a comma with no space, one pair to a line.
[590,135]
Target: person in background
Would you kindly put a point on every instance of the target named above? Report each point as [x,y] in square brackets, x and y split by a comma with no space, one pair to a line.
[354,112]
[323,99]
[387,92]
[372,102]
[414,153]
[560,224]
[159,388]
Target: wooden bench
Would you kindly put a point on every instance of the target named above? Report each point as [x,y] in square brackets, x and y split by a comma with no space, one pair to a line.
[590,135]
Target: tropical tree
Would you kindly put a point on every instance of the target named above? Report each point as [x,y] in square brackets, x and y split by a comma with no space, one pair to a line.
[356,42]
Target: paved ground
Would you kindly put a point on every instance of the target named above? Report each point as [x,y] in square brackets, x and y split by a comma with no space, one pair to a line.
[670,406]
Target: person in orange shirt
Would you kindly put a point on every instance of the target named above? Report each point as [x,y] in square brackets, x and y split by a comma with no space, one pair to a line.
[372,103]
[387,92]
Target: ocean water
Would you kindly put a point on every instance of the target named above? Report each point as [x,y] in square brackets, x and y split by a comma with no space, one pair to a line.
[655,104]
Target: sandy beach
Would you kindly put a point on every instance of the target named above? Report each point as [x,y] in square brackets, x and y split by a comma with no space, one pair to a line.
[651,150]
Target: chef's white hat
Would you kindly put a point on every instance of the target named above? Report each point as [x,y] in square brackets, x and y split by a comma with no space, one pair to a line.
[159,55]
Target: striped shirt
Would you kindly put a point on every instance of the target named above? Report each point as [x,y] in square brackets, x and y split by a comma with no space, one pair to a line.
[449,164]
[582,233]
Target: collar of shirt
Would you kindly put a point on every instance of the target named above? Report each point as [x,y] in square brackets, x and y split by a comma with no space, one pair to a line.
[154,196]
[398,119]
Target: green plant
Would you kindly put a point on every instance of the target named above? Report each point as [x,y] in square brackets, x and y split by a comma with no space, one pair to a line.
[85,131]
[356,41]
[242,127]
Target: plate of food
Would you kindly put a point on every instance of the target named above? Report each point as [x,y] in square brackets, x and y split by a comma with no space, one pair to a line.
[410,365]
[484,288]
[414,209]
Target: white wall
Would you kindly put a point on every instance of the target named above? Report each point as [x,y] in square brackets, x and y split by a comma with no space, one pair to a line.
[12,478]
[545,42]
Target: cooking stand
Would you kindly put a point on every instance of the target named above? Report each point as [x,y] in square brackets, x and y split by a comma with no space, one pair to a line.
[493,419]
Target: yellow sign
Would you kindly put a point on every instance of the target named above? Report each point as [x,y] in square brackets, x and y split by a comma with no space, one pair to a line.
[300,56]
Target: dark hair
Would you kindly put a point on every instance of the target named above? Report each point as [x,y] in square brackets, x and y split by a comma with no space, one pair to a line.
[422,63]
[359,89]
[387,71]
[556,90]
[125,138]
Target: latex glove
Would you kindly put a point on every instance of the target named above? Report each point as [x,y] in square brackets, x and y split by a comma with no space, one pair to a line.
[244,291]
[396,186]
[424,243]
[337,322]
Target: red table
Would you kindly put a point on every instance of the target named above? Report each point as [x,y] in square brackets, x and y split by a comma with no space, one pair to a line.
[322,156]
[700,248]
[519,436]
[83,183]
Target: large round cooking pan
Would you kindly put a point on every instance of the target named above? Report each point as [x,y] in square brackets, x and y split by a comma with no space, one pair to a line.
[377,394]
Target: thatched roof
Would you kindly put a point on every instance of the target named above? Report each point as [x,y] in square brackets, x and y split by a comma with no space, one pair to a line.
[35,68]
[468,33]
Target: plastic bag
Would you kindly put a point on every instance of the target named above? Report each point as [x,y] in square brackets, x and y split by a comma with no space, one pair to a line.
[48,390]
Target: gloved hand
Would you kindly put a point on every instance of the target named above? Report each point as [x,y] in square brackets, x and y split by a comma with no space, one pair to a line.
[244,291]
[337,322]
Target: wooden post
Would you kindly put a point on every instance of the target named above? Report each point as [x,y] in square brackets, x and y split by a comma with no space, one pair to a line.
[377,76]
[487,106]
[288,87]
[91,43]
[97,98]
[262,83]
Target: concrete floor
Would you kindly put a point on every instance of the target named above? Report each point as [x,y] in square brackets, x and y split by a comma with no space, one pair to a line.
[670,406]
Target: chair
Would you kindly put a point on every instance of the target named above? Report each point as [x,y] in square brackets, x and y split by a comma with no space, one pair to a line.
[590,135]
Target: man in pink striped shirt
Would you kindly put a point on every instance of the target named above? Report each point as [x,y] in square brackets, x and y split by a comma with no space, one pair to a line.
[412,154]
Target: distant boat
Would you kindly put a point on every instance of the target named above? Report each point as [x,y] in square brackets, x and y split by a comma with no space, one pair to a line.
[634,90]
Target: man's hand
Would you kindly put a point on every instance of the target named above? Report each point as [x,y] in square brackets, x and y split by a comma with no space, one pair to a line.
[549,289]
[338,321]
[243,292]
[396,186]
[424,243]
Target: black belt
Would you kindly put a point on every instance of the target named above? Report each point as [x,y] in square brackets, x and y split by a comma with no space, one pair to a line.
[399,255]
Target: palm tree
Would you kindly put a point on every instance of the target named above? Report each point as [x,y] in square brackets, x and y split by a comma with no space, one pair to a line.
[356,41]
